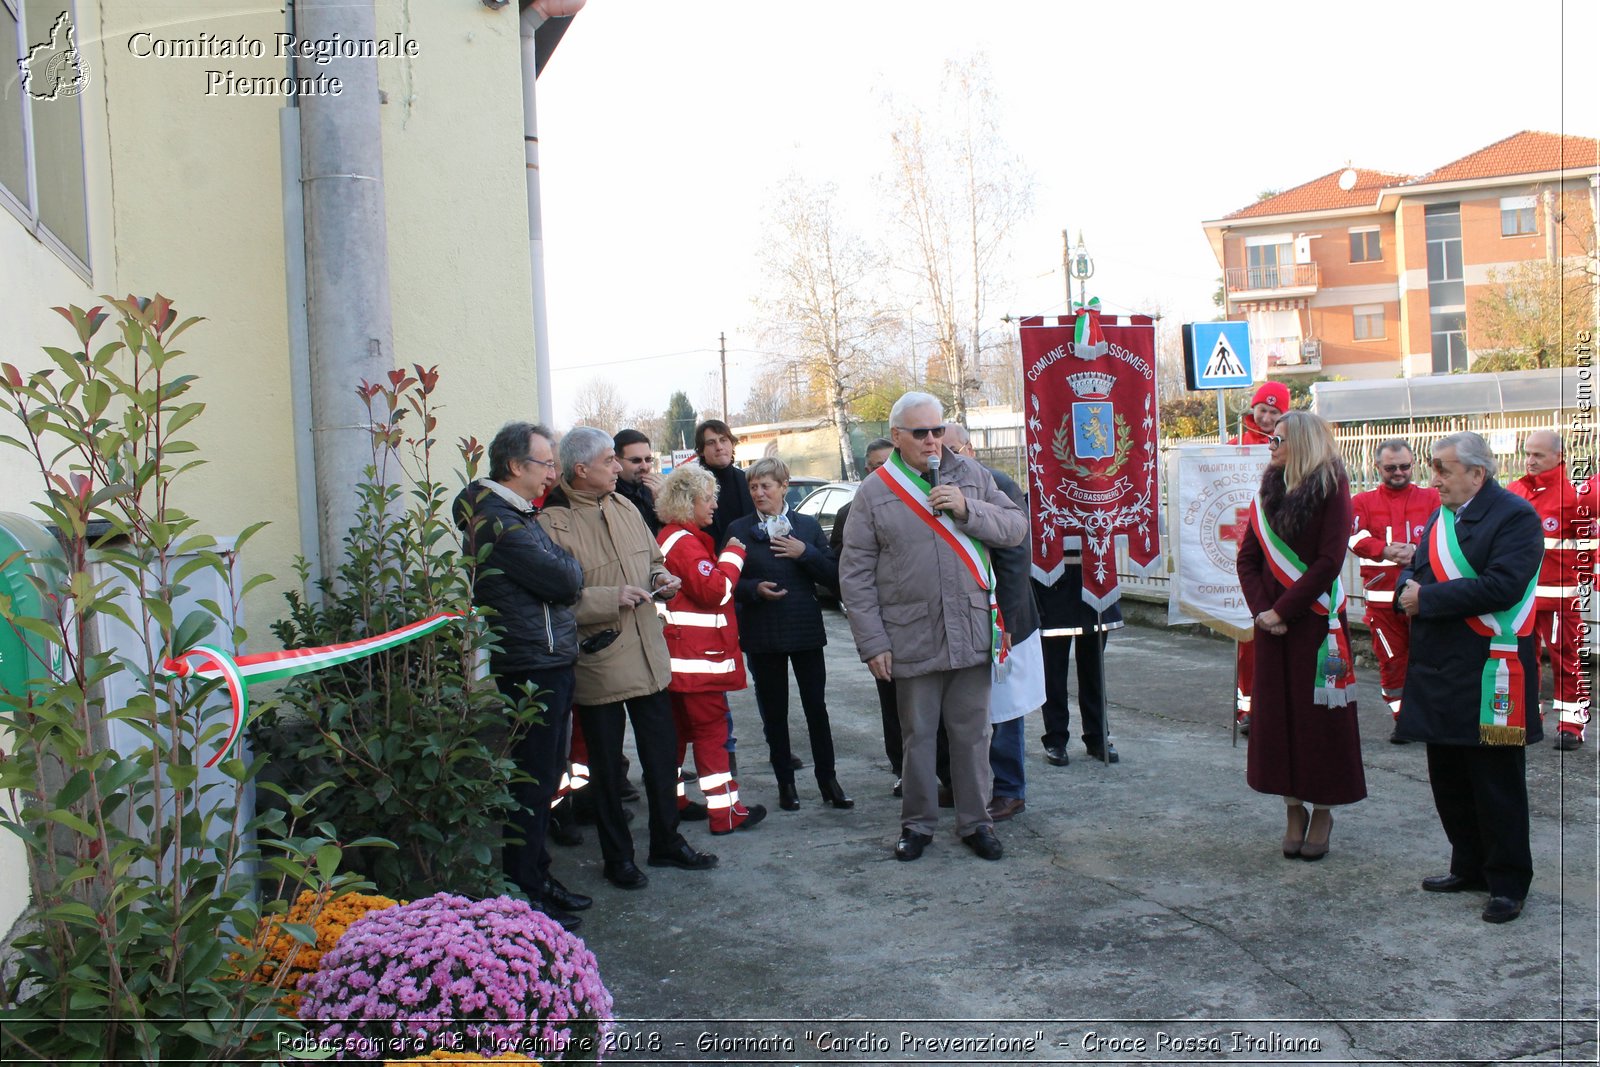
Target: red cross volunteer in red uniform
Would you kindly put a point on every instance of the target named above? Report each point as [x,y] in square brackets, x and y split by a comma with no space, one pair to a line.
[1567,536]
[1267,406]
[1388,525]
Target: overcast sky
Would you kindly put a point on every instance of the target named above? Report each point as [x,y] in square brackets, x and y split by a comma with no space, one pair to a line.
[665,127]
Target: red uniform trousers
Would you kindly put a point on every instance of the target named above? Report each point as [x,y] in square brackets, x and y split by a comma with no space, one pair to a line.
[702,721]
[1391,643]
[1557,633]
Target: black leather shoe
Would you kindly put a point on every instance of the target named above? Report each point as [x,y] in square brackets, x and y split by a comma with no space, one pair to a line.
[898,789]
[796,763]
[559,895]
[1450,883]
[1108,754]
[628,793]
[625,874]
[1567,742]
[911,844]
[1501,910]
[568,921]
[1396,739]
[833,793]
[1056,755]
[563,829]
[947,798]
[694,811]
[685,858]
[984,843]
[788,797]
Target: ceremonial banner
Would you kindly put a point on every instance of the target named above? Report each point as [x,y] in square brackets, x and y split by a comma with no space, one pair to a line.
[1210,492]
[1090,400]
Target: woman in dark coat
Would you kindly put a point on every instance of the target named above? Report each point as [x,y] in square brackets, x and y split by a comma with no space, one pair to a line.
[780,622]
[1304,742]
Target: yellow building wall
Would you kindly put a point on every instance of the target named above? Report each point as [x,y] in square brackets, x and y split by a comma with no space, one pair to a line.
[186,197]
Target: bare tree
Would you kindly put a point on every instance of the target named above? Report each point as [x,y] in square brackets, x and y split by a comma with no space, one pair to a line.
[599,403]
[960,192]
[823,301]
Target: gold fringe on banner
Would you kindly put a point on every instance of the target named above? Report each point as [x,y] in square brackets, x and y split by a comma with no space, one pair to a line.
[1491,734]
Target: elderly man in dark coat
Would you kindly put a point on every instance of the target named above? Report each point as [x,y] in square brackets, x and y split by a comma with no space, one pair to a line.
[1471,696]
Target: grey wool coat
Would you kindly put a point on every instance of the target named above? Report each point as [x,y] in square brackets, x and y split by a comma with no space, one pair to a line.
[907,592]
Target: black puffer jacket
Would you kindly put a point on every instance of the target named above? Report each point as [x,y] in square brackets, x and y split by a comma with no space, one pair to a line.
[792,623]
[528,581]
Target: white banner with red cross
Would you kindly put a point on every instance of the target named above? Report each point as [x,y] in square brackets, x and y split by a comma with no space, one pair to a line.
[1092,440]
[1210,492]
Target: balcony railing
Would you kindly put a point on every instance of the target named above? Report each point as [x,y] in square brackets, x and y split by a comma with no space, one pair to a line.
[1265,279]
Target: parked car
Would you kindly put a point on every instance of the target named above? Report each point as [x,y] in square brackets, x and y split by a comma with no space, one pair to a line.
[801,487]
[825,500]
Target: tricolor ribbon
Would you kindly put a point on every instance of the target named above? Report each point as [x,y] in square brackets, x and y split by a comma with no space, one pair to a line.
[1335,668]
[1502,703]
[240,672]
[1087,338]
[912,489]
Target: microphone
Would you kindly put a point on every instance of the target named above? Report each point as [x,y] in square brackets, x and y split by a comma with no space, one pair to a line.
[933,471]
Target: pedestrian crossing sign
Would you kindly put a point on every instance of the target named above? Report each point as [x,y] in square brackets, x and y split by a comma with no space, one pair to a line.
[1217,355]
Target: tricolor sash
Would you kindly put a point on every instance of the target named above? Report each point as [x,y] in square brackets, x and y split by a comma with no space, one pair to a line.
[1335,666]
[1502,705]
[912,489]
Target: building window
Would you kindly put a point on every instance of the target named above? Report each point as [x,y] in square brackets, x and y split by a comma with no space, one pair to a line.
[1449,342]
[1366,245]
[1269,261]
[41,126]
[1517,216]
[1442,228]
[1368,322]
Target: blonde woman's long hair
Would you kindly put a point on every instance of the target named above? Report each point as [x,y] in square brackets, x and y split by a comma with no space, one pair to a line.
[686,484]
[1311,452]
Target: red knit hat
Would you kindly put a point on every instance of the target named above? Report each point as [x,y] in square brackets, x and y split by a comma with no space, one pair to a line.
[1274,393]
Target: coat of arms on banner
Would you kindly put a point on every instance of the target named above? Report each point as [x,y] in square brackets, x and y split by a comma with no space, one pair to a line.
[1092,443]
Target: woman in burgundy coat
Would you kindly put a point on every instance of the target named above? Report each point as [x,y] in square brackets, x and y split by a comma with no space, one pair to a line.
[1304,742]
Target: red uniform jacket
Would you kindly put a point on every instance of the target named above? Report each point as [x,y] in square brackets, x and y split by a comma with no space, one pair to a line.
[1382,517]
[1565,534]
[1249,433]
[701,628]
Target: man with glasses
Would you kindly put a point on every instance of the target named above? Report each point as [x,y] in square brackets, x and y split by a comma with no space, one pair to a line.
[1387,527]
[531,584]
[916,579]
[638,481]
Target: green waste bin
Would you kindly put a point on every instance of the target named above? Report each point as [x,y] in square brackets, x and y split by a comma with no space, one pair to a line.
[27,659]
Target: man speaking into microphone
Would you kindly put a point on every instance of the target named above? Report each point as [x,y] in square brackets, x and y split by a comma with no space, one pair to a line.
[915,576]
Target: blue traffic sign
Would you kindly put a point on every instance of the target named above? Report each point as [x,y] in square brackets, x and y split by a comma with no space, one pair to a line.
[1217,355]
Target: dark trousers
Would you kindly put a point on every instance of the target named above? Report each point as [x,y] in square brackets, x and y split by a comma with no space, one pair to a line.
[1481,793]
[770,673]
[1091,688]
[893,744]
[657,740]
[542,754]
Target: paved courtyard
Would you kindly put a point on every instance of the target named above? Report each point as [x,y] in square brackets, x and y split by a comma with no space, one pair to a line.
[1142,912]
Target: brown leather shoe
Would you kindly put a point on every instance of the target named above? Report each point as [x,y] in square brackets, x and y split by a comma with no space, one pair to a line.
[1317,834]
[1294,835]
[1002,808]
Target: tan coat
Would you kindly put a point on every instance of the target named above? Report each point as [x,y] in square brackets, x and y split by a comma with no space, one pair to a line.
[906,590]
[609,538]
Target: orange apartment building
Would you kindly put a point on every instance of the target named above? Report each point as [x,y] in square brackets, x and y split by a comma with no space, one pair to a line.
[1363,274]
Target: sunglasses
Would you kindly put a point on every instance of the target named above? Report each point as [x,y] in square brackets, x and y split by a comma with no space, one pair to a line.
[1274,441]
[921,432]
[1395,468]
[638,462]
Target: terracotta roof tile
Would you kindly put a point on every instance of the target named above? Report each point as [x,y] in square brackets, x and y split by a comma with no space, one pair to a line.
[1528,152]
[1323,194]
